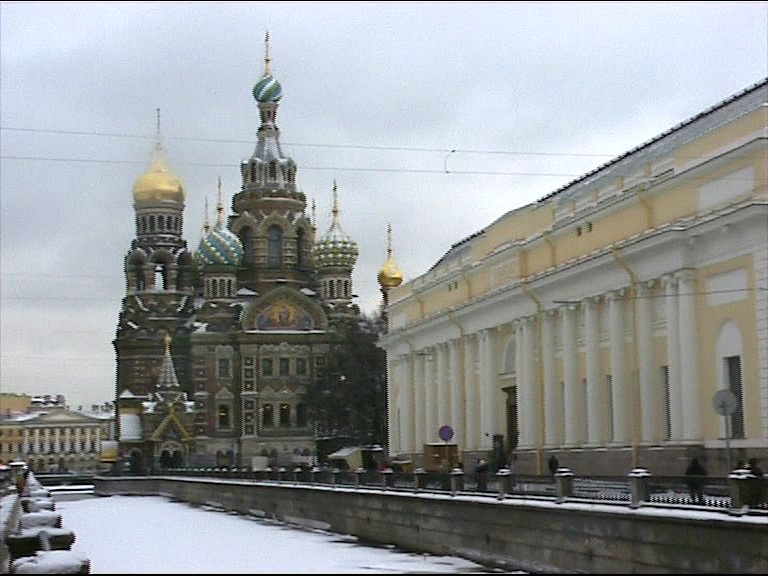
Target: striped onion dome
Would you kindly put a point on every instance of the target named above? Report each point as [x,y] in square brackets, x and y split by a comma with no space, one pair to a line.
[267,89]
[335,248]
[219,245]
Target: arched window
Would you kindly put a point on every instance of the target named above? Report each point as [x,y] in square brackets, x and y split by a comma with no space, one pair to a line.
[159,277]
[268,416]
[246,239]
[275,247]
[223,416]
[285,415]
[300,238]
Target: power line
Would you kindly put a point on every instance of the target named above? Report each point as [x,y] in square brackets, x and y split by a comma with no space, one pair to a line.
[311,145]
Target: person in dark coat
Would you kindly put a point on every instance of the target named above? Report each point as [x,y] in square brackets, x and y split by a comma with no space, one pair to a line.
[553,464]
[481,475]
[695,477]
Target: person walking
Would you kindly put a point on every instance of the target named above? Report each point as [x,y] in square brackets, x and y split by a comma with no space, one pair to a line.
[553,464]
[695,475]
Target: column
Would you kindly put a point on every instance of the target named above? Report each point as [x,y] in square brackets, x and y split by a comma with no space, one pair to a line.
[526,422]
[457,393]
[530,377]
[572,402]
[487,385]
[409,431]
[430,400]
[472,414]
[595,403]
[552,417]
[689,374]
[441,387]
[673,358]
[397,416]
[649,392]
[420,416]
[619,394]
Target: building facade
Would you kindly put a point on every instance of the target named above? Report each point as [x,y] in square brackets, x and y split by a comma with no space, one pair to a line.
[603,322]
[51,438]
[216,347]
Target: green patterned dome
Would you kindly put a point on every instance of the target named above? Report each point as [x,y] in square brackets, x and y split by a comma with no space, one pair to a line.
[221,247]
[336,249]
[267,89]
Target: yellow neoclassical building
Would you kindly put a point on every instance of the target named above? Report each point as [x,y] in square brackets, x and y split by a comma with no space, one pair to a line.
[603,322]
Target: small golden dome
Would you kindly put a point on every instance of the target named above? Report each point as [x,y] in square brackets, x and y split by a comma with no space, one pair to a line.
[390,276]
[158,184]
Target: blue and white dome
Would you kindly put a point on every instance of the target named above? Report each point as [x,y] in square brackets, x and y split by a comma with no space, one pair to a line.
[267,90]
[221,247]
[335,248]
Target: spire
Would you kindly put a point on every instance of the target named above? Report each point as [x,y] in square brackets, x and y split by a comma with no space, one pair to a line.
[267,59]
[219,208]
[207,225]
[158,134]
[167,378]
[335,209]
[390,275]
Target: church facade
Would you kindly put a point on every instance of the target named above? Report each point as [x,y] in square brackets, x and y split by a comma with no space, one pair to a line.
[620,321]
[216,347]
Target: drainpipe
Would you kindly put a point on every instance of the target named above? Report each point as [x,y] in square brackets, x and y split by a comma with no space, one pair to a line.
[421,304]
[540,376]
[643,199]
[635,361]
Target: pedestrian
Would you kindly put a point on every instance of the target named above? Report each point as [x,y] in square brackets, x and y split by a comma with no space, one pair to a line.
[695,476]
[754,468]
[553,464]
[481,475]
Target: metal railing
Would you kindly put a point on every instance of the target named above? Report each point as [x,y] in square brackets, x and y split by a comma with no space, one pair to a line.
[740,492]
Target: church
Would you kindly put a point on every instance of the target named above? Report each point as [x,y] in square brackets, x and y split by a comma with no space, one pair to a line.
[217,346]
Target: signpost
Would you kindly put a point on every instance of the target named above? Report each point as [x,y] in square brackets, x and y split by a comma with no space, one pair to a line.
[725,403]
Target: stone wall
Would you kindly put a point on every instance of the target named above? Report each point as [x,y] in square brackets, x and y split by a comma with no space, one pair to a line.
[511,533]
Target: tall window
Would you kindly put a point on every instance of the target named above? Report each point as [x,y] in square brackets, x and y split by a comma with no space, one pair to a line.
[246,239]
[223,367]
[300,247]
[266,367]
[275,247]
[284,366]
[285,415]
[301,415]
[268,416]
[223,416]
[732,366]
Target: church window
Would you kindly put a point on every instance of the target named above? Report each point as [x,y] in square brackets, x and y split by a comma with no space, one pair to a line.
[266,367]
[161,223]
[331,290]
[268,416]
[285,415]
[275,247]
[284,366]
[223,367]
[272,171]
[300,240]
[301,415]
[732,368]
[152,223]
[159,277]
[301,366]
[223,416]
[246,239]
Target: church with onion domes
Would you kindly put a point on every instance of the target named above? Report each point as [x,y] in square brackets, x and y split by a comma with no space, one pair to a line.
[216,346]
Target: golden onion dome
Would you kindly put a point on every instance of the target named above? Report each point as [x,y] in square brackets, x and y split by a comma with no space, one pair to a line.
[390,276]
[158,184]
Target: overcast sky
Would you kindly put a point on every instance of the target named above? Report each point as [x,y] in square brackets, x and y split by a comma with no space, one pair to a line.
[436,117]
